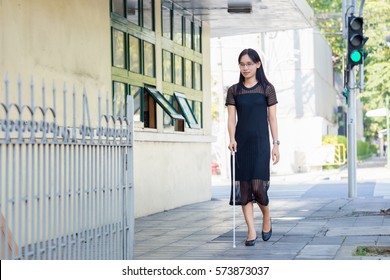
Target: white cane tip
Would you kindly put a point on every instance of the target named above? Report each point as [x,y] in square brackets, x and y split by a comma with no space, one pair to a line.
[234,246]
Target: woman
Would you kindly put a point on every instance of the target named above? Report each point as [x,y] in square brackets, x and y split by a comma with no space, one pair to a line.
[251,107]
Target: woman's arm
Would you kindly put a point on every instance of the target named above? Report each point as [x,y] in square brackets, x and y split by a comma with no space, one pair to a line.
[232,127]
[273,123]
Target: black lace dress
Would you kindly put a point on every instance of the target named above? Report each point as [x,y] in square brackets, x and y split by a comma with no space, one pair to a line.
[252,163]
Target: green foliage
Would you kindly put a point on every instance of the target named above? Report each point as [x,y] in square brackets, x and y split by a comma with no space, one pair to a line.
[376,14]
[364,150]
[329,21]
[334,139]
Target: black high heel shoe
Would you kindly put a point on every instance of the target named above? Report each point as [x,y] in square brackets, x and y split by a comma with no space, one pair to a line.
[267,235]
[250,242]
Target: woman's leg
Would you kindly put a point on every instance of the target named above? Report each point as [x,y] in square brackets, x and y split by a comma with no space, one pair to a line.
[249,219]
[266,217]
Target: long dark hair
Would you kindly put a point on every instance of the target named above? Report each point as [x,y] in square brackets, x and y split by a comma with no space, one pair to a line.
[260,75]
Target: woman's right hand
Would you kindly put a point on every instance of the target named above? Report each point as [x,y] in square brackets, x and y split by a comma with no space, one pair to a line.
[233,146]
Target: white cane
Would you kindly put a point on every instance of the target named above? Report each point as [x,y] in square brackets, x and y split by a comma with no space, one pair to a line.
[234,198]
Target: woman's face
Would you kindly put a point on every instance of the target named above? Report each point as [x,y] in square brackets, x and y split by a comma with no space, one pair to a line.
[248,67]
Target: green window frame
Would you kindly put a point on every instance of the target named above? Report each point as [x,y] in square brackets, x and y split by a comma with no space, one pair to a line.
[134,54]
[138,12]
[198,111]
[198,76]
[137,93]
[186,110]
[177,25]
[148,14]
[197,36]
[178,69]
[119,98]
[167,66]
[188,73]
[164,103]
[132,11]
[188,31]
[149,59]
[118,7]
[118,43]
[166,19]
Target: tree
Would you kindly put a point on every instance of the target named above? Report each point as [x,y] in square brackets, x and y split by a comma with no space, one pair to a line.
[376,14]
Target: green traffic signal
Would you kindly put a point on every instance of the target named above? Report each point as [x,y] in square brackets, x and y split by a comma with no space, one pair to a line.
[355,42]
[356,56]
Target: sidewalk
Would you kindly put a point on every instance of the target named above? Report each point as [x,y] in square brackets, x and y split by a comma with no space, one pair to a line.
[312,218]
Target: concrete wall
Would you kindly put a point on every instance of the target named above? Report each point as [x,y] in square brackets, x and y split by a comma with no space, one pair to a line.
[173,178]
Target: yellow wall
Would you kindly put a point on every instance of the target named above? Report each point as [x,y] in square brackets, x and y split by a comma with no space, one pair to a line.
[61,41]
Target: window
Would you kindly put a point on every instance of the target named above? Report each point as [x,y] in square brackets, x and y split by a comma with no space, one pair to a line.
[167,66]
[177,27]
[132,11]
[148,15]
[149,112]
[119,98]
[118,7]
[135,61]
[152,96]
[188,71]
[133,52]
[149,59]
[178,70]
[167,120]
[197,108]
[166,20]
[136,92]
[198,76]
[118,48]
[186,110]
[197,37]
[188,31]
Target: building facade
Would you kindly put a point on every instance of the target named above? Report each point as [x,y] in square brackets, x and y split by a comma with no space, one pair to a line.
[155,51]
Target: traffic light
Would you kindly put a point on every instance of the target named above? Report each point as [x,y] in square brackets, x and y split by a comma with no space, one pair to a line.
[346,94]
[355,42]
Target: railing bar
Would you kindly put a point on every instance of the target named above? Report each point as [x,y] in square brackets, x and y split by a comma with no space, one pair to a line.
[50,203]
[32,135]
[12,200]
[101,200]
[20,200]
[80,235]
[71,196]
[75,219]
[33,201]
[26,202]
[119,202]
[45,197]
[39,237]
[112,189]
[107,194]
[20,133]
[88,198]
[6,239]
[56,189]
[115,202]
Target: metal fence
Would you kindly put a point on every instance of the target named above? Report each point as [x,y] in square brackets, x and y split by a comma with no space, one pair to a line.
[66,189]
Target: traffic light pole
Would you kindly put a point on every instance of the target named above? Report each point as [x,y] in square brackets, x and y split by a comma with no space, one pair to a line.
[349,8]
[351,134]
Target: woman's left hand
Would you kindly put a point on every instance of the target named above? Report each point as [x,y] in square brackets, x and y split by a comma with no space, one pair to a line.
[275,154]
